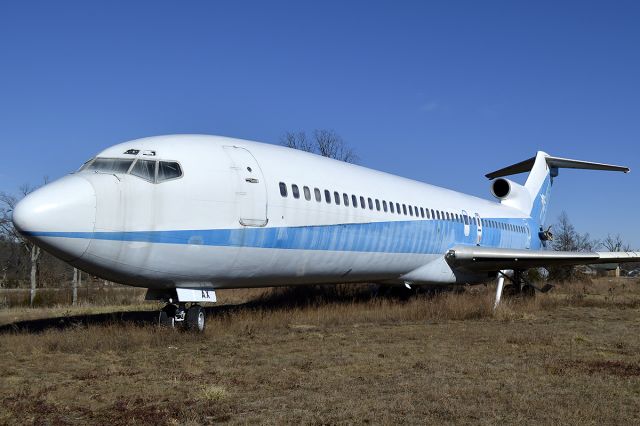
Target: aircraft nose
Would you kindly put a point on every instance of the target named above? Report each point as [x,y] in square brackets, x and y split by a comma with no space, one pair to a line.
[59,217]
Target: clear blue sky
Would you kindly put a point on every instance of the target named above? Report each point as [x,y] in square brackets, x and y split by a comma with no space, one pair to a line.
[436,91]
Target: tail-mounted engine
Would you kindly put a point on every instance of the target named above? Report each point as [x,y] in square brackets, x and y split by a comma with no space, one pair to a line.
[511,194]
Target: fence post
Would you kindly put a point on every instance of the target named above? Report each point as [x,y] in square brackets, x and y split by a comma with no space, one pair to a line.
[76,274]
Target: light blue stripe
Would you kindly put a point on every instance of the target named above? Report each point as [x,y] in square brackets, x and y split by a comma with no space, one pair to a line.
[421,236]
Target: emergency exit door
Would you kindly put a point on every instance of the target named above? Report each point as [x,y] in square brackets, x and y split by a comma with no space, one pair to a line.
[479,228]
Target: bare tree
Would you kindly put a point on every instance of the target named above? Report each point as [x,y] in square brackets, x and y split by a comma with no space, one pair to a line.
[297,140]
[324,142]
[614,243]
[7,204]
[566,238]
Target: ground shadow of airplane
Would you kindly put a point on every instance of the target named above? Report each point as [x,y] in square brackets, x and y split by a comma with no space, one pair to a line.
[292,297]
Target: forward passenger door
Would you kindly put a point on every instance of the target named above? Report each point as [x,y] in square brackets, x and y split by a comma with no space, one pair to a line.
[250,188]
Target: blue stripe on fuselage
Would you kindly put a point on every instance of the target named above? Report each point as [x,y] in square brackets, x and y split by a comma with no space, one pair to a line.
[421,236]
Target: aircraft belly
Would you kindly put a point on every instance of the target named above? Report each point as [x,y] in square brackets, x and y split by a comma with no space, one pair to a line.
[215,266]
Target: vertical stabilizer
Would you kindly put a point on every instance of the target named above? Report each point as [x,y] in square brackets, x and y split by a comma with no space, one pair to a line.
[539,185]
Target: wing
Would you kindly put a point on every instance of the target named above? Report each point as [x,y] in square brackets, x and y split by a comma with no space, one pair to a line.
[486,259]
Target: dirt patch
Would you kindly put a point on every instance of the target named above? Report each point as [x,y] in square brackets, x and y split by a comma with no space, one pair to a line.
[594,367]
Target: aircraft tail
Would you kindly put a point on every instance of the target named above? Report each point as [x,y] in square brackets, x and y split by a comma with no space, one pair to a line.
[533,198]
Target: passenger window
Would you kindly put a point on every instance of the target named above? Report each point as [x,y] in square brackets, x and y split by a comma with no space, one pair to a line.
[465,219]
[448,217]
[307,193]
[345,197]
[384,206]
[295,191]
[327,196]
[370,203]
[427,211]
[283,189]
[168,170]
[146,169]
[377,204]
[398,208]
[316,192]
[336,198]
[438,214]
[391,207]
[362,202]
[422,212]
[404,209]
[410,211]
[354,201]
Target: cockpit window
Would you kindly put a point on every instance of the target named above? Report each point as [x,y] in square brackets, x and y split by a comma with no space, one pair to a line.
[145,169]
[110,165]
[150,170]
[85,165]
[168,170]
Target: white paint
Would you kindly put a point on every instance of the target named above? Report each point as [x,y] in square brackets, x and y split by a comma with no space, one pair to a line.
[229,185]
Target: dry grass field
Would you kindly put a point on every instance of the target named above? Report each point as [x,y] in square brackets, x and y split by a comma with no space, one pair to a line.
[571,356]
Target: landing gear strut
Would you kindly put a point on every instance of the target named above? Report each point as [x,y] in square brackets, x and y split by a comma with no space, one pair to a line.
[519,286]
[192,319]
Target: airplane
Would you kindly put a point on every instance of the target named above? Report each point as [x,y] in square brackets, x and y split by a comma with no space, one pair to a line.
[185,215]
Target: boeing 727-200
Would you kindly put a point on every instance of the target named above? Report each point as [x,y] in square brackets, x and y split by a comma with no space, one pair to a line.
[184,215]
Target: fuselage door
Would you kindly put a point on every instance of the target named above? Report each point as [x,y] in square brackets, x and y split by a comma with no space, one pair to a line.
[479,225]
[250,189]
[465,220]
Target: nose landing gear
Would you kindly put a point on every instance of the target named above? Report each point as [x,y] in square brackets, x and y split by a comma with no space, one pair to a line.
[192,319]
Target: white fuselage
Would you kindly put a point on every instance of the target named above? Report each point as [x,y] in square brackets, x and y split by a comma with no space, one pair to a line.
[225,223]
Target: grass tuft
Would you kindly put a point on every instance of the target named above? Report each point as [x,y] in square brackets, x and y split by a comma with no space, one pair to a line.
[213,393]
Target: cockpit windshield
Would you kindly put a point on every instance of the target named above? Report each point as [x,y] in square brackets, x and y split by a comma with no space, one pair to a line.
[153,171]
[109,165]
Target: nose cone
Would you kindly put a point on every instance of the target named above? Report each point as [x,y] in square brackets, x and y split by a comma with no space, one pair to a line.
[59,217]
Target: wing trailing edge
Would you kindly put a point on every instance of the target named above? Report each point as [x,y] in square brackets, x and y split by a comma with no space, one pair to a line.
[487,259]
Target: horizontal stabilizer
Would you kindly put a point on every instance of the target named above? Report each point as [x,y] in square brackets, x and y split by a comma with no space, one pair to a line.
[488,259]
[557,162]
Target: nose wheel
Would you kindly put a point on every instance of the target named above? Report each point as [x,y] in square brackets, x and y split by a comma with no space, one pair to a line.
[192,319]
[195,318]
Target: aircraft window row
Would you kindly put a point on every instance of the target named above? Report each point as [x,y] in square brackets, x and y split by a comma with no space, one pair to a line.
[397,208]
[150,170]
[504,226]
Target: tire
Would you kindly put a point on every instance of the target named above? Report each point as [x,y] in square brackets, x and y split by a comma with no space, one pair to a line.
[528,292]
[195,319]
[509,290]
[164,320]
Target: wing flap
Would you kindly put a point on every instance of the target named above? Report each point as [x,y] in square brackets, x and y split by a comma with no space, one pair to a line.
[487,259]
